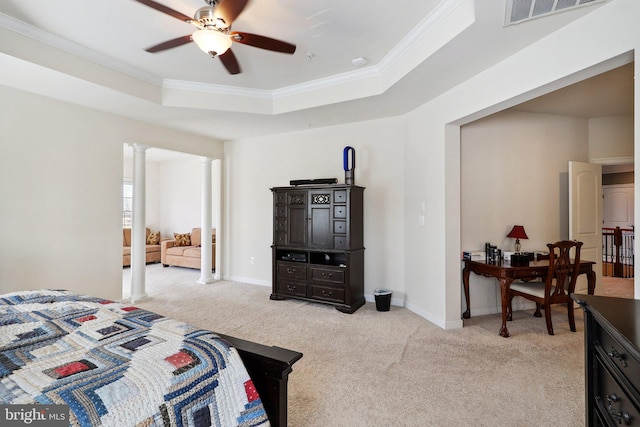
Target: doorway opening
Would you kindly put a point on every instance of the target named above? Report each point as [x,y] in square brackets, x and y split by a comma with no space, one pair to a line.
[517,143]
[173,197]
[618,226]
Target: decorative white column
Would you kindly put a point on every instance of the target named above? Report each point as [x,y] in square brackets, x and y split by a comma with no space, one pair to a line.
[138,225]
[205,224]
[217,223]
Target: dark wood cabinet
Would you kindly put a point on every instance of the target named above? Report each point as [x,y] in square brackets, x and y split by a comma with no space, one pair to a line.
[612,360]
[318,252]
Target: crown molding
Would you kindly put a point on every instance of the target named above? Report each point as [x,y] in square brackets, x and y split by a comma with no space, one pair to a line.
[328,82]
[421,32]
[216,89]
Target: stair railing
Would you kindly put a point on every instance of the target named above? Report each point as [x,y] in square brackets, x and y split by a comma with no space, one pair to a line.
[617,251]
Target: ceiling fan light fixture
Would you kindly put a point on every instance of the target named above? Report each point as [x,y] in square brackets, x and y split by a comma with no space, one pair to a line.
[211,41]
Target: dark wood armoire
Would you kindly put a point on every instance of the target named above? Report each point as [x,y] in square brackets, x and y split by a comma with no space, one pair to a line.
[318,248]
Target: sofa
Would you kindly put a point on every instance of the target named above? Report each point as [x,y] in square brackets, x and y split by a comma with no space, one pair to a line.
[152,249]
[184,250]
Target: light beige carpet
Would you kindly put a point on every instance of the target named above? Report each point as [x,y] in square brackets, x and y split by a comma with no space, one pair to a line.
[393,368]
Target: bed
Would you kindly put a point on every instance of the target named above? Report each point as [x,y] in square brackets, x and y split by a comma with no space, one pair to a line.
[116,364]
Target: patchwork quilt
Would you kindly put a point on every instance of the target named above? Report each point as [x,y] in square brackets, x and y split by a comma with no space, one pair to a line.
[115,364]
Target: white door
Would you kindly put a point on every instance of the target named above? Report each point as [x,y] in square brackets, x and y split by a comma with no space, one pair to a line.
[617,209]
[585,215]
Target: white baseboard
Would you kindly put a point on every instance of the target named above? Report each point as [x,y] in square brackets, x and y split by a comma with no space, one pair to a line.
[248,280]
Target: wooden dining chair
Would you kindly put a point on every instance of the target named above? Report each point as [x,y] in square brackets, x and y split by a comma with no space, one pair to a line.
[558,285]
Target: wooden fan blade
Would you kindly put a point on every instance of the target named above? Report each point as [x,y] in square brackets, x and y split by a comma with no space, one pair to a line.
[164,9]
[229,10]
[263,42]
[179,41]
[230,62]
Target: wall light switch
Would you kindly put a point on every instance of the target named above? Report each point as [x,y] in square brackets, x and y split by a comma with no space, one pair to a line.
[421,220]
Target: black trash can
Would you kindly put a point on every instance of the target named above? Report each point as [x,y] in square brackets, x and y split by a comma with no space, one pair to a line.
[383,299]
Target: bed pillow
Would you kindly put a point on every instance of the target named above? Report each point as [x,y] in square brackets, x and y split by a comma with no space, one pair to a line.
[182,239]
[153,238]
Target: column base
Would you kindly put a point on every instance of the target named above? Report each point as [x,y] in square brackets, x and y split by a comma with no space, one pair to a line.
[205,280]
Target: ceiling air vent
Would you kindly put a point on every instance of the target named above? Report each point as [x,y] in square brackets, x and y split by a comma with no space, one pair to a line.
[523,10]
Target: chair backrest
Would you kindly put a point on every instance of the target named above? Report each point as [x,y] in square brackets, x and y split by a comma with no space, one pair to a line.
[563,269]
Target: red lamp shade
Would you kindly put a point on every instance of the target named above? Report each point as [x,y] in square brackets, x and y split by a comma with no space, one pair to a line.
[517,232]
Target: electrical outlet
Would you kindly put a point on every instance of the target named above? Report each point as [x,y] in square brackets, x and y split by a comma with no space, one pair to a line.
[253,260]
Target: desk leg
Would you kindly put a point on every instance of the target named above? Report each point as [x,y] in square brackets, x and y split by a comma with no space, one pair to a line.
[505,285]
[465,282]
[591,282]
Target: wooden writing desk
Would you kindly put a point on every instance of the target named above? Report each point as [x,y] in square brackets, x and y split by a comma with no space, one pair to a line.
[506,273]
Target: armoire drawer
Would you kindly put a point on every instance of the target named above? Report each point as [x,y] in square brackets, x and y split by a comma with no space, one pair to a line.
[340,242]
[613,400]
[610,348]
[326,275]
[288,287]
[287,270]
[326,293]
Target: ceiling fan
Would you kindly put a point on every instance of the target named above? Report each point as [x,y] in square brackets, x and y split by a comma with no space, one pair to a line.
[214,35]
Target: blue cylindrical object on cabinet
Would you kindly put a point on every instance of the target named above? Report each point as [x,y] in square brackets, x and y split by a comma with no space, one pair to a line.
[349,153]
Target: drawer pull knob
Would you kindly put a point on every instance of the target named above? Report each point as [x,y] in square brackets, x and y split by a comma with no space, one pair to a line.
[620,417]
[291,288]
[291,270]
[327,275]
[613,354]
[615,414]
[327,293]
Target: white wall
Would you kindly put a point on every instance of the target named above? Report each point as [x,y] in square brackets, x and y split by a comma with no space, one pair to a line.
[255,165]
[611,137]
[514,169]
[61,185]
[179,194]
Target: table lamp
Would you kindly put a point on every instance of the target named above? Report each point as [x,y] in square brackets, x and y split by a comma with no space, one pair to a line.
[517,232]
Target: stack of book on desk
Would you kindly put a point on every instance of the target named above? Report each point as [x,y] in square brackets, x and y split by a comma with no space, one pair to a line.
[474,256]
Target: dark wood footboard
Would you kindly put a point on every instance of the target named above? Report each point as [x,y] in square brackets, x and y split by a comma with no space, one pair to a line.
[269,368]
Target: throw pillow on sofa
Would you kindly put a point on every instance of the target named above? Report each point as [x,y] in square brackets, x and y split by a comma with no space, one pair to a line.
[153,238]
[182,239]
